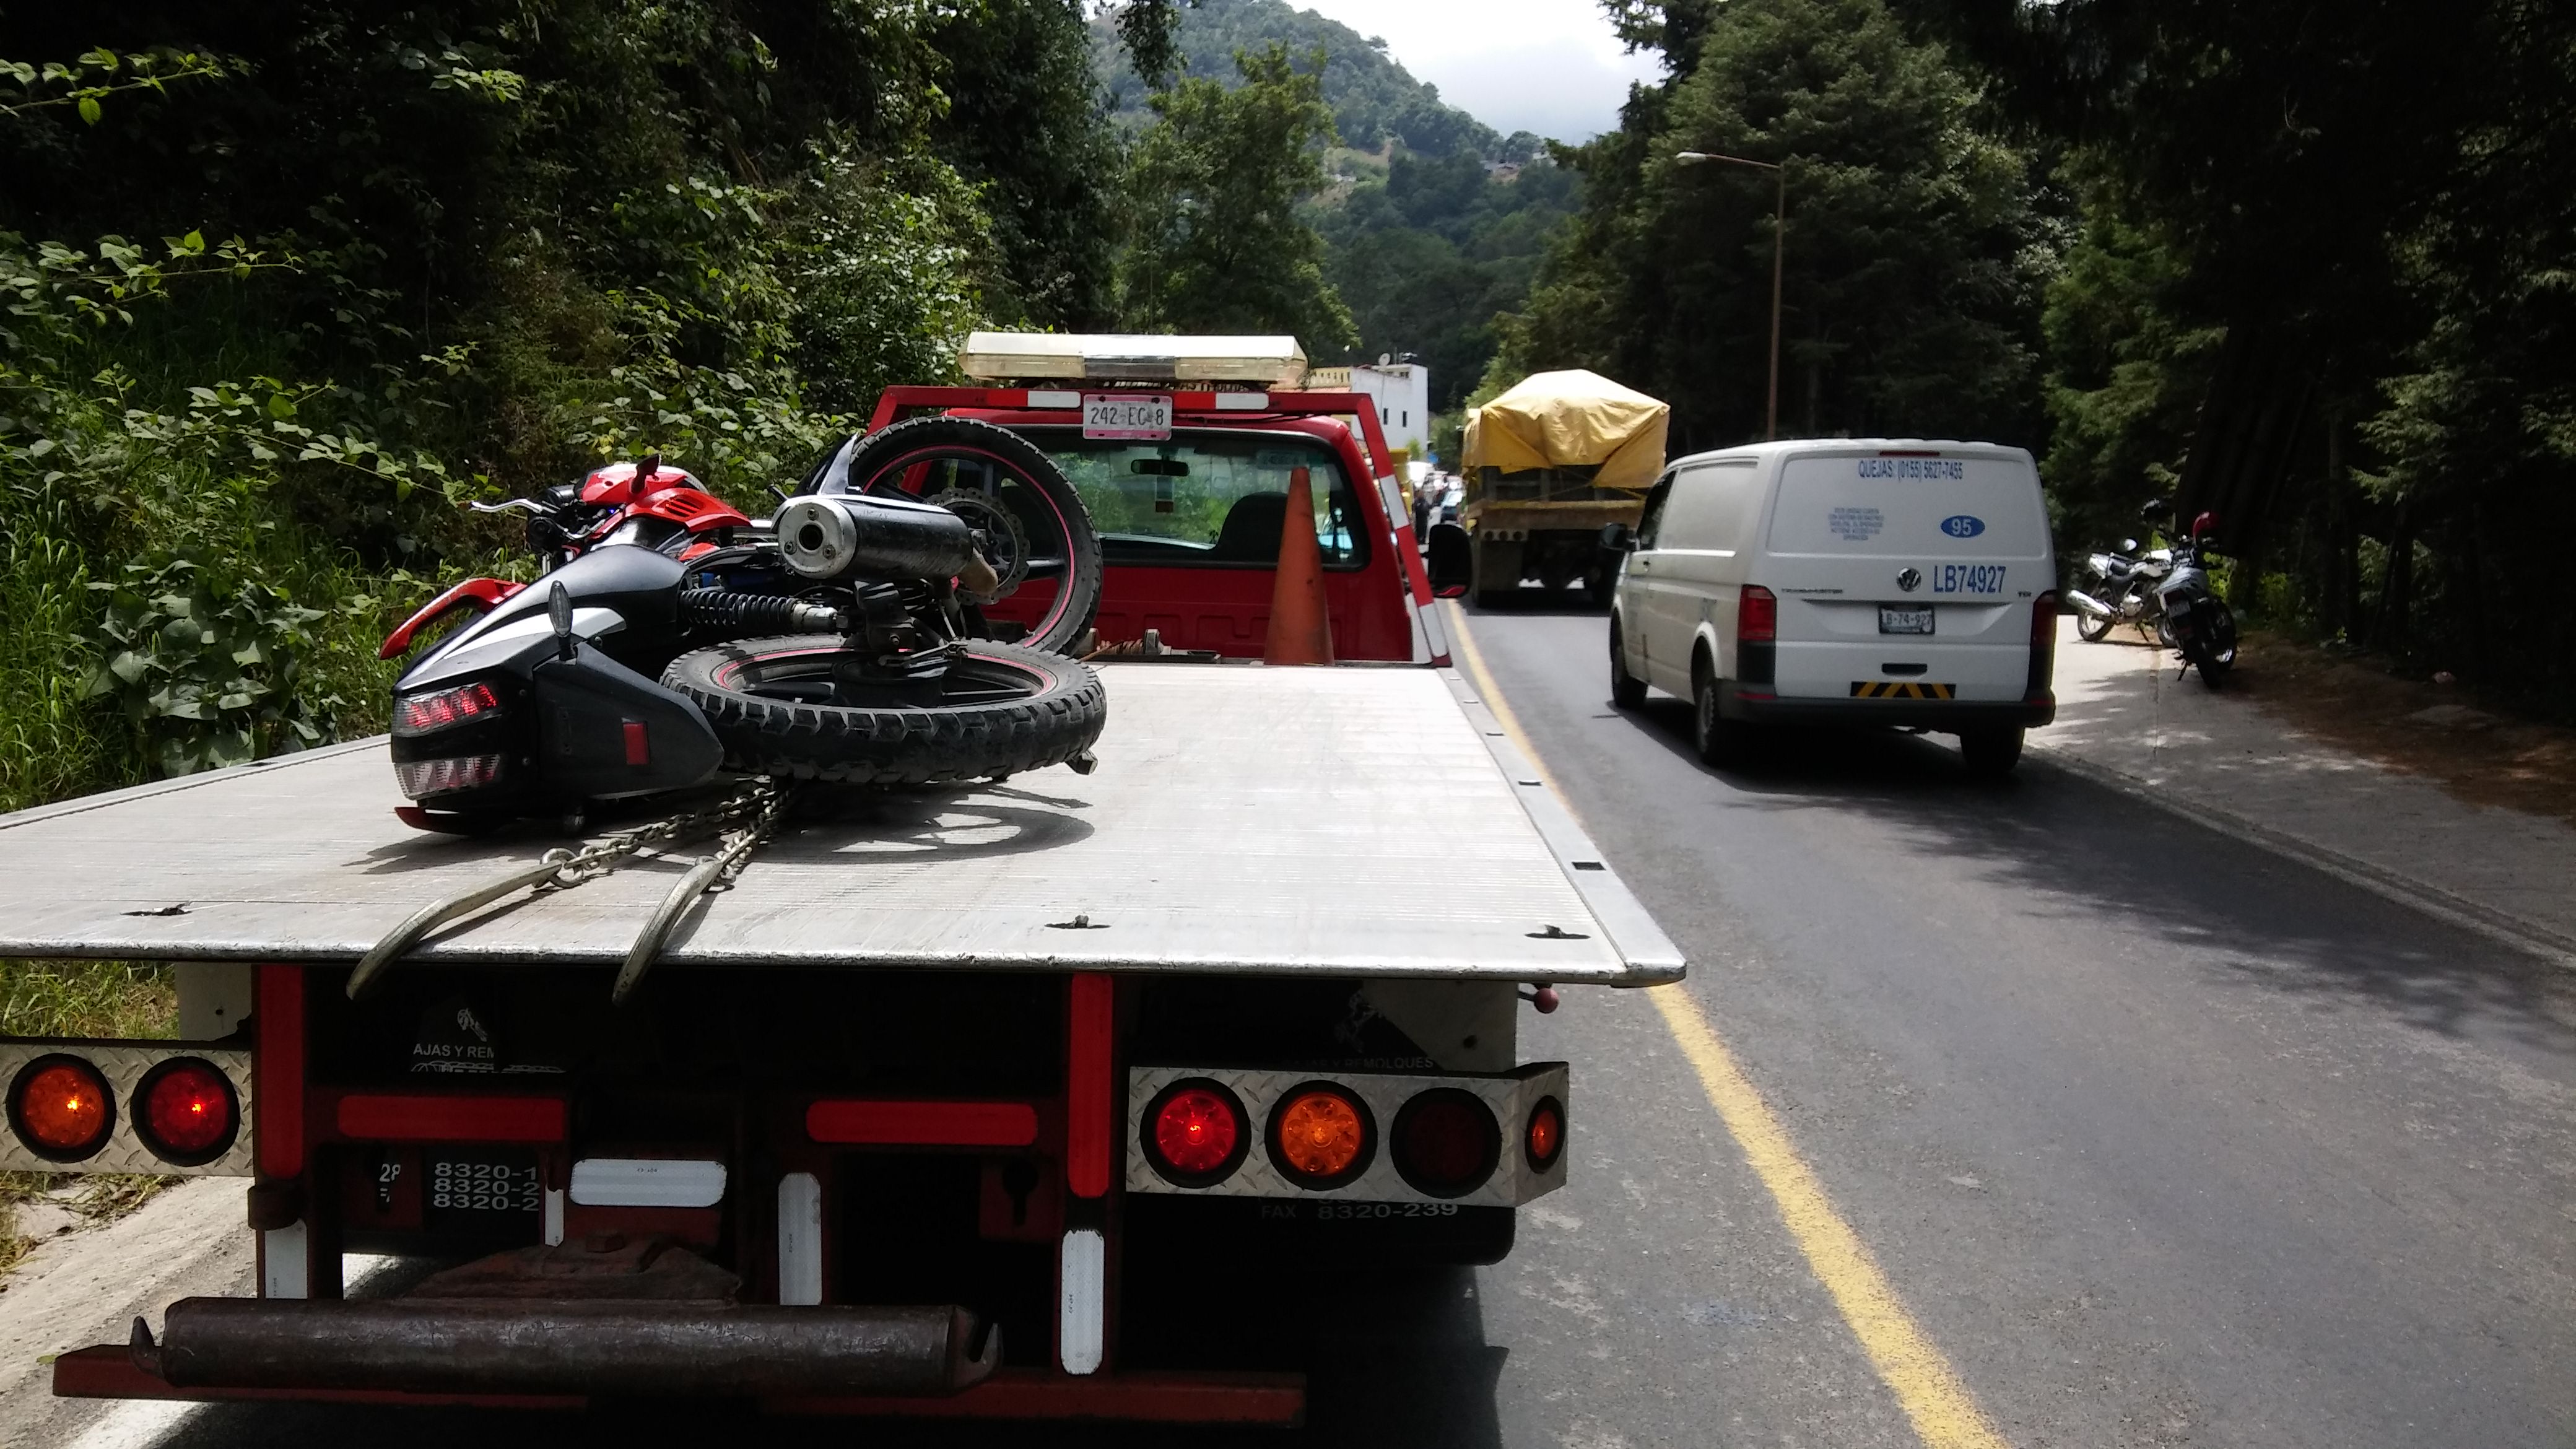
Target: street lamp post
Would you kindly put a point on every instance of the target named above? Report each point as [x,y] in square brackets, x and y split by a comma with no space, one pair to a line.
[1779,232]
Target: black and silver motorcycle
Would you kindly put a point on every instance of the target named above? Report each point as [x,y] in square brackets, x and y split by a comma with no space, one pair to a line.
[2190,618]
[843,639]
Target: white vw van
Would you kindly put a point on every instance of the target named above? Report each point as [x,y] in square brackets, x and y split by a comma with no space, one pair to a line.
[1866,582]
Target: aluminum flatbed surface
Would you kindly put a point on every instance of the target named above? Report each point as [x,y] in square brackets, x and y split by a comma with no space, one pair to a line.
[1242,819]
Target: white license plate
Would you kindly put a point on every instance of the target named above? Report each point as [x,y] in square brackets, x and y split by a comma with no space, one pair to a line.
[1127,415]
[1893,620]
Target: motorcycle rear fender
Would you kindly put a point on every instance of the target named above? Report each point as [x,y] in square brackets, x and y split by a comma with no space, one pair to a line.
[605,731]
[629,592]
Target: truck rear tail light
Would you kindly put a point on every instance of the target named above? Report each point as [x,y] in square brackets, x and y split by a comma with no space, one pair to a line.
[1544,1139]
[1196,1134]
[2043,647]
[1321,1136]
[61,1109]
[421,779]
[1446,1143]
[186,1113]
[420,714]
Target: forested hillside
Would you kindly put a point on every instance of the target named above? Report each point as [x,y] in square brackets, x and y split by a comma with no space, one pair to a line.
[286,284]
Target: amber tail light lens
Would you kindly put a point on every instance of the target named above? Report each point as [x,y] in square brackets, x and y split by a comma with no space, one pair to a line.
[1195,1133]
[1321,1136]
[185,1111]
[1446,1143]
[61,1109]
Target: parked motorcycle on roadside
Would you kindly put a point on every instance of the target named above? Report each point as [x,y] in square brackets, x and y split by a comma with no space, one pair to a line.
[843,639]
[2165,589]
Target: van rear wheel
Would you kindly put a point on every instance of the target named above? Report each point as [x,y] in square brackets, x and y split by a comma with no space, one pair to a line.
[1991,754]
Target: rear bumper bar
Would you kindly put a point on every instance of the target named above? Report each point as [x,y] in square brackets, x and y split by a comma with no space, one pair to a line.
[108,1371]
[454,1346]
[1942,716]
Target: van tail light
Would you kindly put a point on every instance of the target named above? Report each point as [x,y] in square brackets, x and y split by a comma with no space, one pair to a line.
[420,714]
[1446,1142]
[1195,1133]
[1321,1136]
[185,1111]
[61,1108]
[2043,649]
[1757,630]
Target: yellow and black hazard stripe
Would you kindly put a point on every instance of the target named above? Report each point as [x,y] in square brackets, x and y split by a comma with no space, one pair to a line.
[1902,689]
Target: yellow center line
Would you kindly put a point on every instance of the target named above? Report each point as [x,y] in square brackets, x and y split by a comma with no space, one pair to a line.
[1936,1401]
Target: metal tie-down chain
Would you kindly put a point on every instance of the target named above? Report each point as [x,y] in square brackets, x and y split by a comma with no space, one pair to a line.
[751,814]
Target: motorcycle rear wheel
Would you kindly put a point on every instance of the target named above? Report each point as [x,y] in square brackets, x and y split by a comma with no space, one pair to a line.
[780,708]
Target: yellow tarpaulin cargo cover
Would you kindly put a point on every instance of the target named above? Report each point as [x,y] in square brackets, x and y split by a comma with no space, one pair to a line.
[1567,420]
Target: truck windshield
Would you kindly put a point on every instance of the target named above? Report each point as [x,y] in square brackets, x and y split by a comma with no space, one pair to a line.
[1206,498]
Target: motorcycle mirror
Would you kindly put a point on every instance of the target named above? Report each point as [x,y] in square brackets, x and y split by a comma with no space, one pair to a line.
[559,610]
[2128,545]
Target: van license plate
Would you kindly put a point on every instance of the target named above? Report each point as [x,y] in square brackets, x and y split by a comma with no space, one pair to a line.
[1133,415]
[1893,620]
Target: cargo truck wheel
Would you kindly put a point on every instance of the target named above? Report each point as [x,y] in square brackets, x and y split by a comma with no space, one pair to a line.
[788,706]
[1627,691]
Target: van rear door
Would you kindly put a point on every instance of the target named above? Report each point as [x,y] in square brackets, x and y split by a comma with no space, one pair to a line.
[1907,566]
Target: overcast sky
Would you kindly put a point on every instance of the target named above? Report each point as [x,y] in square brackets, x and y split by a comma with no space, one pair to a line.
[1549,66]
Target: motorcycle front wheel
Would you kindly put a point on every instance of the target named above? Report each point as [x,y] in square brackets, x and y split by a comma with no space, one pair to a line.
[791,706]
[2093,628]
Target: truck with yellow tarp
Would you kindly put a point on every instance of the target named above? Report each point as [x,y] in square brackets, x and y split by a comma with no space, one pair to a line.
[1547,465]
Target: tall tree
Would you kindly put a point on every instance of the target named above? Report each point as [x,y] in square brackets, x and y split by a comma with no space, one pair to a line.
[1913,270]
[1216,243]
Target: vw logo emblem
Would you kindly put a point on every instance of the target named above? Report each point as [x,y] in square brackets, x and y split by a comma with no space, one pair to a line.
[1910,580]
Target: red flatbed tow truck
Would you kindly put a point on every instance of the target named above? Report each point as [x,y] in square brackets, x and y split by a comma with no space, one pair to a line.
[946,1107]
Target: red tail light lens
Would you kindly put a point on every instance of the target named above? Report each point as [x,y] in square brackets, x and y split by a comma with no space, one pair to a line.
[2043,648]
[1757,616]
[1446,1142]
[1545,1138]
[186,1113]
[420,714]
[1195,1134]
[1321,1136]
[421,779]
[61,1109]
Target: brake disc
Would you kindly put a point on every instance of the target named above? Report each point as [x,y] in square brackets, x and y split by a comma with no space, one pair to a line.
[1006,540]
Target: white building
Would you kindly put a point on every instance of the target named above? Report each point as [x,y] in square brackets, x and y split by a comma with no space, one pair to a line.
[1403,393]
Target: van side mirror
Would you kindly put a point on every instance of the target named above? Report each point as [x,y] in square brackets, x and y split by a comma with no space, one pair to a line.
[1618,538]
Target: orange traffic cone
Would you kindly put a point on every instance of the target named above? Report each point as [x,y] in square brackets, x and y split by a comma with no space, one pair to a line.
[1300,631]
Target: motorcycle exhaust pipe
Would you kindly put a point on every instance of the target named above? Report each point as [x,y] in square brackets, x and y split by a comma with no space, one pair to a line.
[2091,605]
[834,536]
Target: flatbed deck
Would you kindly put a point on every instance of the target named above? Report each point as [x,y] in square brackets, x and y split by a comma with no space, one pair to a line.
[1341,821]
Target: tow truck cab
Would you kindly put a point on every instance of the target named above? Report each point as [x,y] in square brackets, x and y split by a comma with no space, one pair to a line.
[1182,447]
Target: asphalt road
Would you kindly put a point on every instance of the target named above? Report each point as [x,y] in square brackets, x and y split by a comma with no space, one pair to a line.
[2158,1139]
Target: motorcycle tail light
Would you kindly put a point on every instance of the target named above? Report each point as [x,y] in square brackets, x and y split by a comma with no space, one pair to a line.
[186,1113]
[421,779]
[61,1109]
[420,714]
